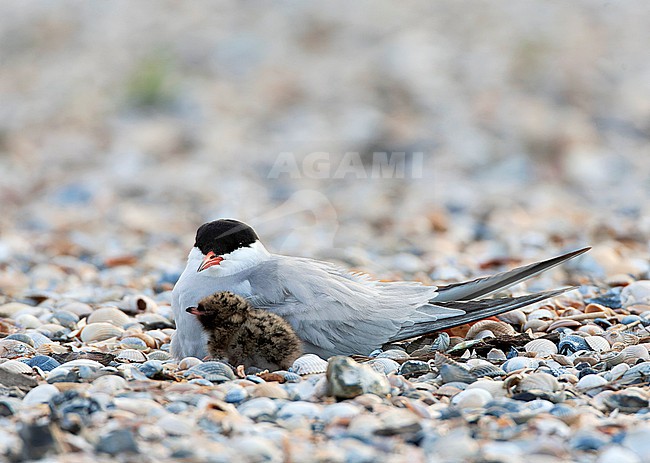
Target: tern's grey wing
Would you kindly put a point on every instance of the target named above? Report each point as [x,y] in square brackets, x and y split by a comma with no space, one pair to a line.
[482,287]
[475,310]
[337,312]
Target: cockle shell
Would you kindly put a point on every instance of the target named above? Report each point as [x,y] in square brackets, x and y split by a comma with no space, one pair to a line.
[309,364]
[100,331]
[498,328]
[538,382]
[15,366]
[383,365]
[131,355]
[394,354]
[111,315]
[541,346]
[597,343]
[11,349]
[188,362]
[212,371]
[9,309]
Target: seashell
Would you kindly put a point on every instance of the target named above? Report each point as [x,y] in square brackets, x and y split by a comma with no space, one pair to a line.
[484,334]
[159,355]
[591,382]
[133,342]
[538,382]
[471,398]
[629,400]
[598,308]
[592,330]
[11,349]
[38,339]
[270,390]
[65,318]
[175,425]
[51,348]
[43,362]
[27,321]
[148,340]
[632,354]
[111,315]
[496,355]
[15,366]
[212,371]
[637,374]
[131,356]
[41,394]
[636,293]
[498,328]
[154,321]
[614,336]
[571,343]
[541,346]
[80,309]
[100,331]
[563,323]
[309,364]
[22,337]
[454,373]
[54,331]
[597,343]
[535,326]
[394,354]
[487,370]
[259,409]
[138,303]
[618,371]
[496,388]
[289,377]
[441,344]
[108,384]
[513,317]
[8,310]
[519,363]
[152,369]
[385,366]
[414,368]
[235,394]
[189,362]
[542,314]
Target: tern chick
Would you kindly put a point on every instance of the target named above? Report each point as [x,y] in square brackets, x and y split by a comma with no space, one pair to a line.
[243,335]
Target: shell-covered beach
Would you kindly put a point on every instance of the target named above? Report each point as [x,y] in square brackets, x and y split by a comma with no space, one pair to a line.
[518,132]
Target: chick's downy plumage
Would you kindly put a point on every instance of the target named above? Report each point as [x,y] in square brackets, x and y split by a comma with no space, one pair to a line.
[243,335]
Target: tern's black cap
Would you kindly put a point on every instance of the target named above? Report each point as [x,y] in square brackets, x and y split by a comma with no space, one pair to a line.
[224,236]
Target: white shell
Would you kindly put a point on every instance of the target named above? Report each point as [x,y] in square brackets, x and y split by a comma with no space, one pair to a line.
[597,343]
[541,346]
[471,398]
[40,394]
[100,331]
[539,381]
[588,382]
[309,364]
[131,355]
[188,362]
[16,366]
[111,315]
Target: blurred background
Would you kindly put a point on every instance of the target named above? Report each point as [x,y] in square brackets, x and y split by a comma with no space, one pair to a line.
[525,128]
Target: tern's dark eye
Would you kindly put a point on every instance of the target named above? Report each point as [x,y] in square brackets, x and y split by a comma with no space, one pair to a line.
[200,307]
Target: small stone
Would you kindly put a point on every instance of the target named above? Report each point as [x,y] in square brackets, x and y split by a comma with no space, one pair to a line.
[348,379]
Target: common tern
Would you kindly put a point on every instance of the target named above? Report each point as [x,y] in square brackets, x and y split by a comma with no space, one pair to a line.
[332,310]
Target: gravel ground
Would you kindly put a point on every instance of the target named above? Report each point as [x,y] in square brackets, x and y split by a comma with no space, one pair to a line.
[525,132]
